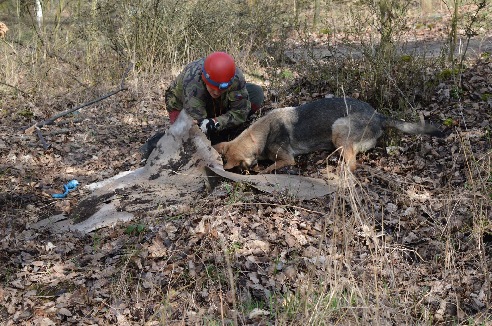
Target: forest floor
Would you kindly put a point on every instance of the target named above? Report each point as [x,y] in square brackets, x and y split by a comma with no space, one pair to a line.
[408,241]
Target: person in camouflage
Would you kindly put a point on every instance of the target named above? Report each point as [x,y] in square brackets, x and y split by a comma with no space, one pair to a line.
[213,91]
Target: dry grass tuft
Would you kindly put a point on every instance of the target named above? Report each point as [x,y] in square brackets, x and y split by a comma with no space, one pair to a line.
[3,30]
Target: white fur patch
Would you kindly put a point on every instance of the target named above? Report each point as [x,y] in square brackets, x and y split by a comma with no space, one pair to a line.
[365,145]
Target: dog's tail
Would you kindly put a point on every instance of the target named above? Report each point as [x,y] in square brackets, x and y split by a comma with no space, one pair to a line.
[413,128]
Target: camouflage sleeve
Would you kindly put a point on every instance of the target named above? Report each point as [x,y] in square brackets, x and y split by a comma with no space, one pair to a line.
[237,102]
[239,107]
[194,91]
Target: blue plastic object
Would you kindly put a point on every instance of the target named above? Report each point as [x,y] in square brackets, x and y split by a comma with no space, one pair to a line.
[69,186]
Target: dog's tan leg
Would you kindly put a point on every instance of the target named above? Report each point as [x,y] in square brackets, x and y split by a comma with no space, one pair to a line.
[348,153]
[277,165]
[282,158]
[349,156]
[341,139]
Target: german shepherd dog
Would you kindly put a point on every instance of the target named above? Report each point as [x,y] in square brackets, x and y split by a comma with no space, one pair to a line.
[325,124]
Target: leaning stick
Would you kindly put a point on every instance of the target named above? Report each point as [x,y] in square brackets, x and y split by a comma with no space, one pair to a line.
[41,139]
[49,121]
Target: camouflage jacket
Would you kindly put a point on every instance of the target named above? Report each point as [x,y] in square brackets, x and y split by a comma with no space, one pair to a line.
[188,91]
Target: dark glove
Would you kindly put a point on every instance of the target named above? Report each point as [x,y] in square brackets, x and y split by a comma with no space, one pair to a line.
[208,126]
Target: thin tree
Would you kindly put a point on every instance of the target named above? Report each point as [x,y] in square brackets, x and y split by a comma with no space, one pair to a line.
[39,13]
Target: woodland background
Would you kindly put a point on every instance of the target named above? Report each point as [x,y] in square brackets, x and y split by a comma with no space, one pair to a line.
[407,240]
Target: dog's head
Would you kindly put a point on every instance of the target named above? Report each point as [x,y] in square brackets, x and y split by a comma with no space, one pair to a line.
[235,156]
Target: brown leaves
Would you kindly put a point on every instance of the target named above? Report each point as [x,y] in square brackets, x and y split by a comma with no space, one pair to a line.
[157,248]
[407,244]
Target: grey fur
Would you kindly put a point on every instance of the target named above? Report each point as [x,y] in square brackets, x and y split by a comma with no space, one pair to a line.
[325,124]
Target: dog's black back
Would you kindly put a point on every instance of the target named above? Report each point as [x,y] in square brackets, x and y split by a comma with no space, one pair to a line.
[325,124]
[307,127]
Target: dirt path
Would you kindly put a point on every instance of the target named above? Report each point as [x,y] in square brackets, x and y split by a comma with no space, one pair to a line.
[423,48]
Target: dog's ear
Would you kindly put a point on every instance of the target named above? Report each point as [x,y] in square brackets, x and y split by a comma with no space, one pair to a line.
[221,147]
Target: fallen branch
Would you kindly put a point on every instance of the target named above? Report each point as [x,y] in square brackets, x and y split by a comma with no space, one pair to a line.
[49,121]
[41,139]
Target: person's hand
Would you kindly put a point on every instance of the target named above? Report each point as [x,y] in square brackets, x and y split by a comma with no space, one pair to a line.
[208,125]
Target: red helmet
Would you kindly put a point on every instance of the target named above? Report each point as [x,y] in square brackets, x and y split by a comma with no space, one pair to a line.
[219,70]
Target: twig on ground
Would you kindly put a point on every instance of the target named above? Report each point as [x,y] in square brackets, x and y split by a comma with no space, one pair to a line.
[49,121]
[41,139]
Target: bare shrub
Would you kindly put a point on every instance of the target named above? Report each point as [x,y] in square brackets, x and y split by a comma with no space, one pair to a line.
[164,33]
[366,59]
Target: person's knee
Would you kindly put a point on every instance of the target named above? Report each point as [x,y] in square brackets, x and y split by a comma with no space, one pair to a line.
[173,115]
[256,96]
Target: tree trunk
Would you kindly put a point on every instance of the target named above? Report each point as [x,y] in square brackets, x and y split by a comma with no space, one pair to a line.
[39,13]
[316,13]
